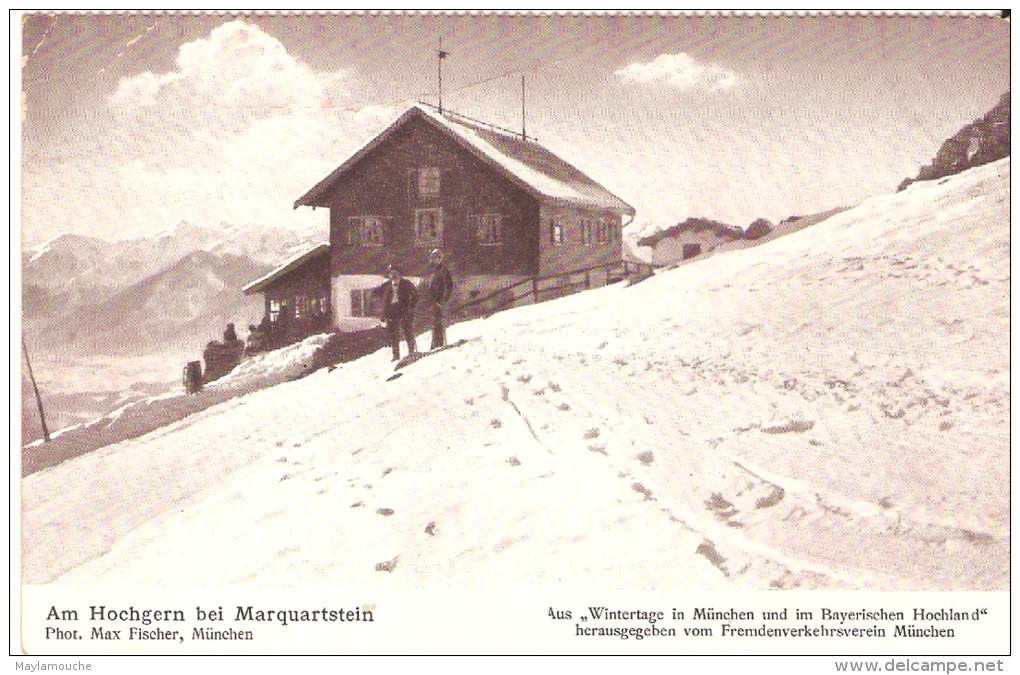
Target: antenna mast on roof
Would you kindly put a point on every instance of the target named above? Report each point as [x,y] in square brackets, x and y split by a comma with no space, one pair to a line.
[442,55]
[524,117]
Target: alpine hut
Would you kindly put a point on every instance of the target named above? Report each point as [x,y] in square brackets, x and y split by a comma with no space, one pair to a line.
[502,208]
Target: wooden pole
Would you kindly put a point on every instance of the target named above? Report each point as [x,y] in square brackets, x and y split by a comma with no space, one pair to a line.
[524,118]
[38,399]
[442,55]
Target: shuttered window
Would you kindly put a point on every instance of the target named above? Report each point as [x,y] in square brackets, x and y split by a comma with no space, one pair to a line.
[428,227]
[366,231]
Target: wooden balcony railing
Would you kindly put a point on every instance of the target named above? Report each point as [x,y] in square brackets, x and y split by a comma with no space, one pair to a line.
[541,288]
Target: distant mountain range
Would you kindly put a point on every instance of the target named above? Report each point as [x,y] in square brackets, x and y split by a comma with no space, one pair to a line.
[173,291]
[79,261]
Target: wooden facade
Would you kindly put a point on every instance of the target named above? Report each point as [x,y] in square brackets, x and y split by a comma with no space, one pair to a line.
[500,207]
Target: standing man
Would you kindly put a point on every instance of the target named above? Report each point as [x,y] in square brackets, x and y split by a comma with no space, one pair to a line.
[440,290]
[399,297]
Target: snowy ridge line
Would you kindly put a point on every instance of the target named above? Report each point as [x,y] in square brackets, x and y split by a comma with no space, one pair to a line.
[167,412]
[109,417]
[45,247]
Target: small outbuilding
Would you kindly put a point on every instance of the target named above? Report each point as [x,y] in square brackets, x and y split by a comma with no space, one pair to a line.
[689,239]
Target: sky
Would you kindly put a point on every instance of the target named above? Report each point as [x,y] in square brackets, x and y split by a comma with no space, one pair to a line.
[134,123]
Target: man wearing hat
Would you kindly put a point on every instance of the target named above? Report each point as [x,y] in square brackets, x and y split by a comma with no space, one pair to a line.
[399,297]
[439,291]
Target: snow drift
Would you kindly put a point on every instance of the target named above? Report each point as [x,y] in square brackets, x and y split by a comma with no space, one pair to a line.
[829,410]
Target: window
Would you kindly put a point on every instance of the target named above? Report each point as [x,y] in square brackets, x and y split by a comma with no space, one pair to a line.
[357,302]
[320,306]
[605,231]
[300,306]
[488,228]
[362,302]
[428,227]
[555,232]
[365,231]
[424,183]
[274,310]
[587,232]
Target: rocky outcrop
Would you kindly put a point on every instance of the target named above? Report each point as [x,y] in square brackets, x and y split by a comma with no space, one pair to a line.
[983,141]
[758,229]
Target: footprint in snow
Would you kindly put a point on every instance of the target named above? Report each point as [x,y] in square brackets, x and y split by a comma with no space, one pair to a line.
[646,457]
[388,565]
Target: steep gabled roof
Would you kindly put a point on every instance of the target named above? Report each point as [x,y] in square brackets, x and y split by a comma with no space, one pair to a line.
[297,261]
[524,162]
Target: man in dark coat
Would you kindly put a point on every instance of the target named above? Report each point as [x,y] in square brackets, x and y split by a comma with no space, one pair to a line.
[440,290]
[399,297]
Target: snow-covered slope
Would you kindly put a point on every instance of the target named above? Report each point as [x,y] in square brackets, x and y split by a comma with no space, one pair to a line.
[827,410]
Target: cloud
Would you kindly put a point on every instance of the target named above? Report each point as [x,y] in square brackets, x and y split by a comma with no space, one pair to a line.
[238,69]
[139,91]
[681,71]
[235,132]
